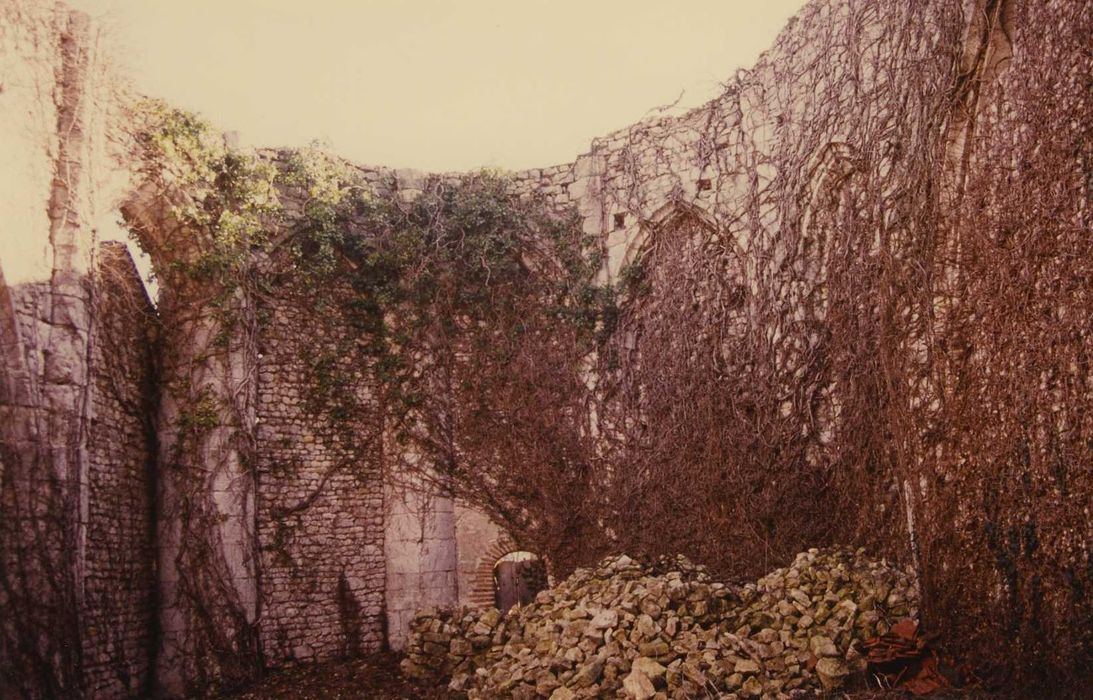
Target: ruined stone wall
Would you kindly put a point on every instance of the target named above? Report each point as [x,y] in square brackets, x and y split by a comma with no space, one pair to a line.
[90,552]
[76,588]
[320,504]
[320,555]
[350,550]
[117,623]
[909,140]
[40,514]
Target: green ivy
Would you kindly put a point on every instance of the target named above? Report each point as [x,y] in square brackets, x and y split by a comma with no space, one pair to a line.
[227,198]
[456,261]
[202,414]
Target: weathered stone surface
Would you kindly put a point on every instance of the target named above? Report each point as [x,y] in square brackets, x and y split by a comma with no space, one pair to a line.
[589,673]
[831,672]
[334,540]
[649,667]
[562,693]
[637,685]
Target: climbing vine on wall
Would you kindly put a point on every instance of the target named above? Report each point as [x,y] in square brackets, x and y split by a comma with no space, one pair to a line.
[467,313]
[873,331]
[221,200]
[200,212]
[475,310]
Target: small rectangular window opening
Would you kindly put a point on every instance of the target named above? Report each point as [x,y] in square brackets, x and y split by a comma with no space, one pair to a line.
[704,184]
[620,221]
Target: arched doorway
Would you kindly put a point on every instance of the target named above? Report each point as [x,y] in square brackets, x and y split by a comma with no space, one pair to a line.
[517,577]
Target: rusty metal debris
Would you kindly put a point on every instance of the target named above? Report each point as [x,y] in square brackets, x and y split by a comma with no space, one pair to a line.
[903,659]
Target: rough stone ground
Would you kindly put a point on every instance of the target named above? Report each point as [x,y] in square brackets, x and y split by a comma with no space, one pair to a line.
[379,678]
[371,678]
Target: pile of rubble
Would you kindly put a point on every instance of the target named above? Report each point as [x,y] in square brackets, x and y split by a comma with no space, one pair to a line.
[665,630]
[453,642]
[803,625]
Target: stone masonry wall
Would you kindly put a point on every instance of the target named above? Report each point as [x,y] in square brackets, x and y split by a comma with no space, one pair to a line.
[320,510]
[345,556]
[848,98]
[420,544]
[118,610]
[88,546]
[39,513]
[392,540]
[65,443]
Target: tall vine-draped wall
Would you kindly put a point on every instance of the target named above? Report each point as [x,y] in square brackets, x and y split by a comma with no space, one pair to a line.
[854,308]
[845,302]
[320,508]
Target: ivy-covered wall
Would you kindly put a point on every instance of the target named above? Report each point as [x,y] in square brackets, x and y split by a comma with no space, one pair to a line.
[320,505]
[316,319]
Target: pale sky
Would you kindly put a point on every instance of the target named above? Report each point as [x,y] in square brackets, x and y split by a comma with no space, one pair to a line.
[436,84]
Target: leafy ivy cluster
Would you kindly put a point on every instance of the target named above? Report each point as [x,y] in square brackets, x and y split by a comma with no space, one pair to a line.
[413,285]
[465,267]
[223,199]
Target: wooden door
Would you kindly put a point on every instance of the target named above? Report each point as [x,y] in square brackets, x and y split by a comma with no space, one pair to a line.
[518,582]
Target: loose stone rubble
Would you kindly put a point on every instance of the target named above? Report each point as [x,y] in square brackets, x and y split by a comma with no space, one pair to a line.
[665,630]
